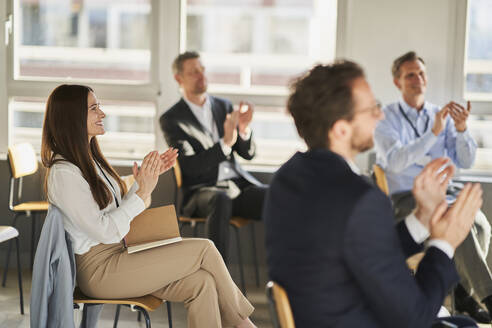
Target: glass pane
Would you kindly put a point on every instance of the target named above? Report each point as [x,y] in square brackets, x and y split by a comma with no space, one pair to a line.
[83,39]
[275,136]
[480,127]
[129,126]
[478,66]
[265,43]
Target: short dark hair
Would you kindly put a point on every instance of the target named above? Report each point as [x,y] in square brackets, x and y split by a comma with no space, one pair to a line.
[178,61]
[409,56]
[322,97]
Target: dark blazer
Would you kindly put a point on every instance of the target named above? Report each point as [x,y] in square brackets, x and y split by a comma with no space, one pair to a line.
[332,243]
[199,156]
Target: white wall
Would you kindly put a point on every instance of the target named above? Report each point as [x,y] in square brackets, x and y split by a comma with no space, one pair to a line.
[3,81]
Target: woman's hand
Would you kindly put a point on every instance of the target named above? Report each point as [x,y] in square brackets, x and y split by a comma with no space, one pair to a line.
[168,159]
[148,174]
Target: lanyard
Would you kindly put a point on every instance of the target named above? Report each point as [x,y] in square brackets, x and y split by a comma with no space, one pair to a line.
[411,124]
[113,190]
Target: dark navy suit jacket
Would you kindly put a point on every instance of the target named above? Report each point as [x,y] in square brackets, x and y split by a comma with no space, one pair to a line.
[332,243]
[199,155]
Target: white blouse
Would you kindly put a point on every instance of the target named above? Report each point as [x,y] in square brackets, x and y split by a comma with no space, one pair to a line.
[84,221]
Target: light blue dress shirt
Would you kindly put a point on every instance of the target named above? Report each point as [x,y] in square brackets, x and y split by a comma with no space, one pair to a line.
[405,143]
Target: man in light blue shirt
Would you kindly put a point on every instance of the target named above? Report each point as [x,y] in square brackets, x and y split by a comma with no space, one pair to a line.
[413,133]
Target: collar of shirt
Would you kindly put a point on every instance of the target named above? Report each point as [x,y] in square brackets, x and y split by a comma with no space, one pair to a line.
[412,113]
[352,166]
[202,113]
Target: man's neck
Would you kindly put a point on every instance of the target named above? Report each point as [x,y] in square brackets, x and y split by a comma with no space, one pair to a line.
[197,99]
[346,153]
[416,102]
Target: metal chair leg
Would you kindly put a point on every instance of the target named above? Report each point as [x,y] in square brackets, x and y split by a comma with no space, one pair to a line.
[33,237]
[139,316]
[195,230]
[453,304]
[169,316]
[7,260]
[117,316]
[19,275]
[255,256]
[145,314]
[240,260]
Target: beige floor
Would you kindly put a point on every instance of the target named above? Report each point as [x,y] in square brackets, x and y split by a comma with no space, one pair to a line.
[10,316]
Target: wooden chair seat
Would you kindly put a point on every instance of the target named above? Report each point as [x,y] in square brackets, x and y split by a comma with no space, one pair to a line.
[238,222]
[147,302]
[191,220]
[31,206]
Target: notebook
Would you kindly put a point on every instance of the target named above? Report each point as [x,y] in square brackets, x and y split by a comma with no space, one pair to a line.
[152,228]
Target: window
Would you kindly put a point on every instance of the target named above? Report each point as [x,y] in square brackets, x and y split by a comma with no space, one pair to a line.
[101,43]
[252,49]
[478,79]
[81,40]
[129,126]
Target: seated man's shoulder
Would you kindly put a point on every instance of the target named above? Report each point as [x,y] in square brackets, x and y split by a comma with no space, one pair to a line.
[332,175]
[172,111]
[220,102]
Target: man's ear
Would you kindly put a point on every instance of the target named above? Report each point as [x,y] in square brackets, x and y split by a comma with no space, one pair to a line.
[341,130]
[397,83]
[177,77]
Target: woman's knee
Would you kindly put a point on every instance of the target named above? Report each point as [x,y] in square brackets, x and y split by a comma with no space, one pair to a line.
[202,282]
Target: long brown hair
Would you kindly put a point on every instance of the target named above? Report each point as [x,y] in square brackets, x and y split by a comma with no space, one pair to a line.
[65,134]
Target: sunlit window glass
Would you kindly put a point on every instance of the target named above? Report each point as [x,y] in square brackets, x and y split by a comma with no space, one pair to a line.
[257,43]
[478,66]
[129,126]
[255,48]
[83,39]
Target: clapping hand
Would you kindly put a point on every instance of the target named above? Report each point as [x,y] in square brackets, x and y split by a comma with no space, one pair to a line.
[459,115]
[245,117]
[230,128]
[440,120]
[147,175]
[168,159]
[429,188]
[454,224]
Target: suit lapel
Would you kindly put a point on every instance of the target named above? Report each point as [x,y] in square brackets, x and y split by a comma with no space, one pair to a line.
[188,114]
[202,135]
[216,112]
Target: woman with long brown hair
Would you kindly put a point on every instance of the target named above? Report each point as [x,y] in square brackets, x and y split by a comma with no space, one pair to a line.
[98,210]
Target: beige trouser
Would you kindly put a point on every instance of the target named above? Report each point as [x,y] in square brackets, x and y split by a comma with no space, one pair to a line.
[191,271]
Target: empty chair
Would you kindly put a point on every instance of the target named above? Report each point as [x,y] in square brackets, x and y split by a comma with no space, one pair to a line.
[23,162]
[10,233]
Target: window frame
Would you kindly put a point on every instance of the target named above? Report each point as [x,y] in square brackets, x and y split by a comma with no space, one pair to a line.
[164,46]
[269,95]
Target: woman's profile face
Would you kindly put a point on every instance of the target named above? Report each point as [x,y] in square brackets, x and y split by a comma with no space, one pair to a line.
[95,115]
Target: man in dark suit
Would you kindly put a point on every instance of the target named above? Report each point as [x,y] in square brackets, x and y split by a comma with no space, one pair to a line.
[330,235]
[208,133]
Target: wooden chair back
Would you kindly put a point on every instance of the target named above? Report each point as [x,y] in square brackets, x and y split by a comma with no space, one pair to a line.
[22,160]
[381,181]
[177,175]
[280,305]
